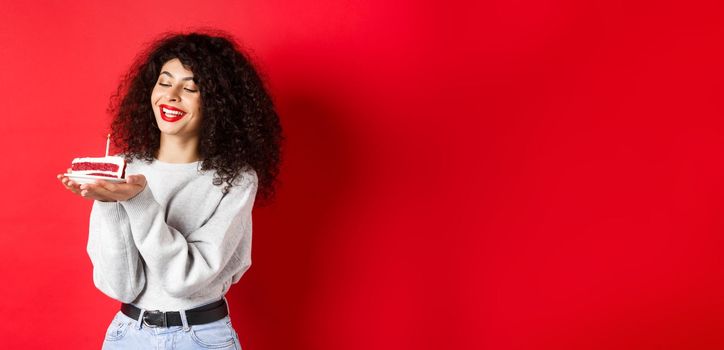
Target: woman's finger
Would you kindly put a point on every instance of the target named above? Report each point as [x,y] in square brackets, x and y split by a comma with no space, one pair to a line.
[66,182]
[69,185]
[97,192]
[110,187]
[89,194]
[137,179]
[74,189]
[72,184]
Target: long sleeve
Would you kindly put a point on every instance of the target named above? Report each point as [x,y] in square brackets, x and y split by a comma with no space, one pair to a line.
[189,263]
[117,266]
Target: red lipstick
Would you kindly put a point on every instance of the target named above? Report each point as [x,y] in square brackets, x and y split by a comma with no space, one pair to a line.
[174,116]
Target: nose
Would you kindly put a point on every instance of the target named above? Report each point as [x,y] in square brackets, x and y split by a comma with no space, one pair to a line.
[172,95]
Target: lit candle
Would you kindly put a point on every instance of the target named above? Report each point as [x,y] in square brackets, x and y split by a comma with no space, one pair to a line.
[108,144]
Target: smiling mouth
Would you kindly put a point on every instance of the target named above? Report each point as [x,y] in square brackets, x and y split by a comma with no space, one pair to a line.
[171,114]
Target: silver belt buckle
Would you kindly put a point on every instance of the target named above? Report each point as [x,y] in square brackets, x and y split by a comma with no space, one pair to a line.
[154,313]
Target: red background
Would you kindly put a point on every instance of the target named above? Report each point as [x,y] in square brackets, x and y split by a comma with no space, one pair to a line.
[500,175]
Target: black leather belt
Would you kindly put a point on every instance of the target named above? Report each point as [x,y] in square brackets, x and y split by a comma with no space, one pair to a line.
[200,315]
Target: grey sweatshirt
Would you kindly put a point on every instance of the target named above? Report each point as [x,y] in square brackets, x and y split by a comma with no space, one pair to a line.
[178,244]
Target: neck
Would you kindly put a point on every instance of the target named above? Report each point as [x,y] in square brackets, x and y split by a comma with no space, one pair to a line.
[175,149]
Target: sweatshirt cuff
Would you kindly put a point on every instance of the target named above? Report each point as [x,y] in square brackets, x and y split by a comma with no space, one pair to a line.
[111,211]
[139,203]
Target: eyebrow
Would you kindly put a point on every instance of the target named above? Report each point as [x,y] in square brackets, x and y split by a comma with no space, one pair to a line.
[171,75]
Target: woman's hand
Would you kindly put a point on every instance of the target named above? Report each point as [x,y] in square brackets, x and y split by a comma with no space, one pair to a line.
[106,191]
[109,192]
[69,185]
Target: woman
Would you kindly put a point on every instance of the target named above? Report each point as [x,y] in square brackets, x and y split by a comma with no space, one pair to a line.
[201,138]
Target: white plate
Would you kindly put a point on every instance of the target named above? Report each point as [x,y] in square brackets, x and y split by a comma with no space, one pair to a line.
[86,179]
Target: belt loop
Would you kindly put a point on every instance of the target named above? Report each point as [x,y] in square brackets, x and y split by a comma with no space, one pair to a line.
[139,322]
[184,320]
[228,311]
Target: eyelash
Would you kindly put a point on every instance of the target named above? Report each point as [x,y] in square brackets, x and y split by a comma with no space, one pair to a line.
[167,85]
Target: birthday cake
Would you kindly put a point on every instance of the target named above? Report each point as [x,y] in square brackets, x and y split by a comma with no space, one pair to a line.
[110,166]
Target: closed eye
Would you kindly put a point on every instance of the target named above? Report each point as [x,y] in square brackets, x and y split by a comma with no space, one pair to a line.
[168,85]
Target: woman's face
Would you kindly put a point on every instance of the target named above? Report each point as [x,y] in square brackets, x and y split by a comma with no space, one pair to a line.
[176,101]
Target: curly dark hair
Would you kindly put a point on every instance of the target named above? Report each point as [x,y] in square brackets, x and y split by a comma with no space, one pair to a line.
[240,127]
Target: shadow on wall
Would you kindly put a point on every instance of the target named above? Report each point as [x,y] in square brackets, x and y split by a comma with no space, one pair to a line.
[320,167]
